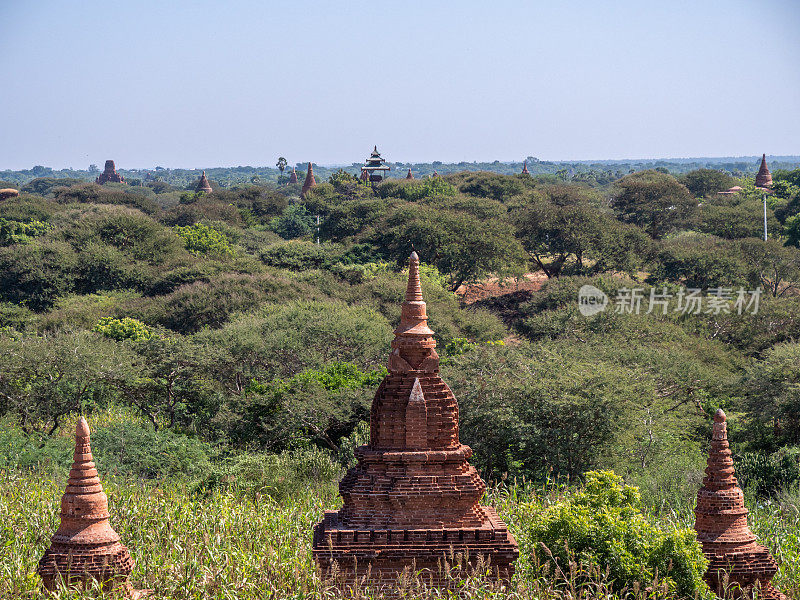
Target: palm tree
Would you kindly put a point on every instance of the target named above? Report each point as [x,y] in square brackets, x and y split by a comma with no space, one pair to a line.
[282,162]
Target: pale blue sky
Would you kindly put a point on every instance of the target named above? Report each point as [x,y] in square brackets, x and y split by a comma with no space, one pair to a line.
[194,84]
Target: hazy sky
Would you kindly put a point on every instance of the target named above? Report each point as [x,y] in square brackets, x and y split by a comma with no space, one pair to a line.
[195,84]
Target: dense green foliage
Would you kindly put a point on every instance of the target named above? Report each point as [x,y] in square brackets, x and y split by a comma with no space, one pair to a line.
[233,342]
[602,524]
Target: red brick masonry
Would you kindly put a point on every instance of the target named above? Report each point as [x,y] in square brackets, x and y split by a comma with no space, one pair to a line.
[721,525]
[85,547]
[413,498]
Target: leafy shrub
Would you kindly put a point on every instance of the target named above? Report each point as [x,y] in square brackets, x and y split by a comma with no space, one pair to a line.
[769,474]
[295,221]
[202,239]
[602,524]
[279,476]
[129,448]
[123,329]
[417,190]
[296,255]
[16,232]
[341,375]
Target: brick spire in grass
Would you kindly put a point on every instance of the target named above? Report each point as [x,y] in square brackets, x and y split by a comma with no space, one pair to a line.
[203,185]
[764,177]
[721,525]
[413,499]
[85,547]
[310,182]
[409,175]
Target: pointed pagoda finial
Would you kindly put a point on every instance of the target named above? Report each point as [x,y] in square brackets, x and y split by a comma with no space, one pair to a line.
[82,428]
[763,177]
[414,288]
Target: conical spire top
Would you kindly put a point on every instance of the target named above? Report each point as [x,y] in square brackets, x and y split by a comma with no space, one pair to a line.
[409,175]
[310,182]
[413,340]
[764,177]
[203,185]
[525,168]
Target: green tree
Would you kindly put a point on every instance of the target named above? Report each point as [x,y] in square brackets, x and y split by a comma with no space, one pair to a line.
[295,221]
[281,164]
[596,242]
[464,248]
[654,201]
[704,182]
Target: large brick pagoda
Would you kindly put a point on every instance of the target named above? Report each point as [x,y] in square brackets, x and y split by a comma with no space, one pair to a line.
[109,174]
[413,499]
[721,525]
[85,547]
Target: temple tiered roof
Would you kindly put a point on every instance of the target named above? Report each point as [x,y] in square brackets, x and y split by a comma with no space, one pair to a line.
[375,166]
[85,547]
[721,525]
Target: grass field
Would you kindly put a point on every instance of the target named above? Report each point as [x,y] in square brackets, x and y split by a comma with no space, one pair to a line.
[228,544]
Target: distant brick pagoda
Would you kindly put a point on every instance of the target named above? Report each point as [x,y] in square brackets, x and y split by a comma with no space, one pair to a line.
[310,182]
[721,525]
[409,175]
[110,174]
[293,176]
[764,177]
[413,498]
[203,186]
[525,169]
[85,547]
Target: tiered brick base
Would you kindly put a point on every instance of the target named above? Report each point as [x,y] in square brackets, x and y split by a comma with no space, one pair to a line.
[721,525]
[384,553]
[413,500]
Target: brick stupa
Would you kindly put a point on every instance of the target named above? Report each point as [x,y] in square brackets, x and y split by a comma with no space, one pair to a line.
[413,499]
[721,525]
[85,547]
[293,176]
[764,177]
[310,182]
[525,168]
[203,186]
[110,174]
[409,175]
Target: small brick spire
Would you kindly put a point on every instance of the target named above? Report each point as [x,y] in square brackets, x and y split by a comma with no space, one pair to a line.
[525,168]
[721,525]
[409,175]
[764,177]
[203,186]
[293,176]
[310,182]
[85,547]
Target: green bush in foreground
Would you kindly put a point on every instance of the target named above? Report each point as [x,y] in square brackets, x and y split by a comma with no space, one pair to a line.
[123,329]
[602,525]
[202,239]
